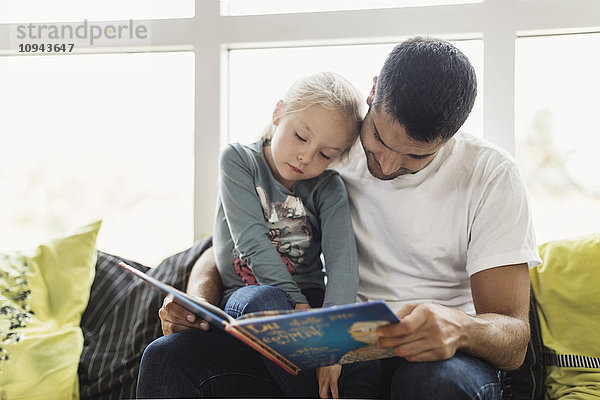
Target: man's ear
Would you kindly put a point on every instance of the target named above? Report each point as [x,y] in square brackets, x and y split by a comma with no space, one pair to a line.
[372,94]
[277,112]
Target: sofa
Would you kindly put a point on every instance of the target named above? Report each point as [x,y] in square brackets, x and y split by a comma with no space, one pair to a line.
[563,356]
[73,324]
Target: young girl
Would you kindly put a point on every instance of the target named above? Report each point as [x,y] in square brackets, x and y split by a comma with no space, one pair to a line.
[280,209]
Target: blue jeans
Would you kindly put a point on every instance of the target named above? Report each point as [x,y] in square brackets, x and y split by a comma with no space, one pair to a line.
[197,364]
[214,364]
[461,377]
[253,298]
[249,299]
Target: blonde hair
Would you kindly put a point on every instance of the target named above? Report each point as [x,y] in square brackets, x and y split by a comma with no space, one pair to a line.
[327,90]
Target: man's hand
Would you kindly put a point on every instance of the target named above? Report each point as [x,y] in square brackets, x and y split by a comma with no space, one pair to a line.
[174,318]
[328,381]
[498,333]
[426,332]
[204,283]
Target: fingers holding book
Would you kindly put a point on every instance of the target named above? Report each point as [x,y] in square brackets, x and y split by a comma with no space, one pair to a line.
[328,378]
[174,318]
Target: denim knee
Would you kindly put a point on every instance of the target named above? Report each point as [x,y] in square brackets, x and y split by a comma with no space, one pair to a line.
[361,380]
[198,364]
[158,353]
[250,299]
[461,377]
[161,362]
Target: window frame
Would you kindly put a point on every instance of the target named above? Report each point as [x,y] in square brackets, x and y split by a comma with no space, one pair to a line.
[497,22]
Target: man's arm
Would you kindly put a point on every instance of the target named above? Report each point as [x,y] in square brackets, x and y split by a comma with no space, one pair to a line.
[204,282]
[498,333]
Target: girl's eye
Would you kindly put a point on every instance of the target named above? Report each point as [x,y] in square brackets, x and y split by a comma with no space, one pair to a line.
[300,137]
[324,156]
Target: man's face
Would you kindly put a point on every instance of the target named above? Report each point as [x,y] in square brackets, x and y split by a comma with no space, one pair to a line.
[389,150]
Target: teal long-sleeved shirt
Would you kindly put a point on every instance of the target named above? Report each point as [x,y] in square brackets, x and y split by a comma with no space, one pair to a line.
[266,234]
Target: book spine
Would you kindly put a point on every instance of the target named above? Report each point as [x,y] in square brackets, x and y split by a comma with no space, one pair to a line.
[263,349]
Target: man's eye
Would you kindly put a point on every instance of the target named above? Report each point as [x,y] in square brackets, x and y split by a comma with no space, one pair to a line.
[377,136]
[300,137]
[415,157]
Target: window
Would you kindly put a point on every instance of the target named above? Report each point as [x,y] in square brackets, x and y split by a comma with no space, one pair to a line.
[558,137]
[20,11]
[259,77]
[107,137]
[255,7]
[219,81]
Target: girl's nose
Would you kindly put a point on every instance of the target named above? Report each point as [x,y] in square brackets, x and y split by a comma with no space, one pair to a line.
[305,157]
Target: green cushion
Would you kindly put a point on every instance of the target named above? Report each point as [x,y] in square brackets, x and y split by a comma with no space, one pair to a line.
[567,289]
[42,297]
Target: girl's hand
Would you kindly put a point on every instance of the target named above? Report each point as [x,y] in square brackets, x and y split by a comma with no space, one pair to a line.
[302,306]
[328,381]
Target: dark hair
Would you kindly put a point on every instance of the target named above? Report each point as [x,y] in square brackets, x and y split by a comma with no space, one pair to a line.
[428,86]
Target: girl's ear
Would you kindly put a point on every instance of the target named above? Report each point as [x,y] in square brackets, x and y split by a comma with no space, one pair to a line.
[277,112]
[372,94]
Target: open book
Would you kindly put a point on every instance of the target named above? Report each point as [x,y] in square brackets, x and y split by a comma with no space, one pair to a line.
[296,340]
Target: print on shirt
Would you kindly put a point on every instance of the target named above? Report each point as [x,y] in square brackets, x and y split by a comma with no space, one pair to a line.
[243,270]
[288,232]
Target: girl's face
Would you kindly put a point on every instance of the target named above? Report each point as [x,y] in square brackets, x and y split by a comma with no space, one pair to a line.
[305,143]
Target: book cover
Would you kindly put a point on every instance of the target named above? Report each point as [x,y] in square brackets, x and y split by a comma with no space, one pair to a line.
[323,336]
[296,340]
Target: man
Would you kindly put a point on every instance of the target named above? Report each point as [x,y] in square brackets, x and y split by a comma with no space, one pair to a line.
[444,235]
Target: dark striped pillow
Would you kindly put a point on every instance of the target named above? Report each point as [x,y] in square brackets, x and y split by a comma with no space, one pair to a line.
[121,319]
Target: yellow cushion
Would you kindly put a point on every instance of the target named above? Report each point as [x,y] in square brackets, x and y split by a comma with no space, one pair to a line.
[42,297]
[572,384]
[567,290]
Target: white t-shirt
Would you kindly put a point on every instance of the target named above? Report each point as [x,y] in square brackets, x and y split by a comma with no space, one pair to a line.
[421,236]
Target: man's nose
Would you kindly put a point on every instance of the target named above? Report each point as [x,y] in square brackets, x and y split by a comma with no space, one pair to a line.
[389,165]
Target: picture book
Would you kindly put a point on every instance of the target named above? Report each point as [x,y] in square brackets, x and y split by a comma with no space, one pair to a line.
[296,340]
